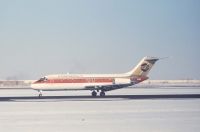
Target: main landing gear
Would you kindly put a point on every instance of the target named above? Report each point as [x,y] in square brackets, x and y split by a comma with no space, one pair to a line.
[102,93]
[94,93]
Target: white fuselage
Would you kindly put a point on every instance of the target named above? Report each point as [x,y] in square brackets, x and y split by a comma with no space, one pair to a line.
[82,81]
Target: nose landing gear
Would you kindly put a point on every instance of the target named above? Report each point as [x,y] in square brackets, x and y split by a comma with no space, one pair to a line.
[40,93]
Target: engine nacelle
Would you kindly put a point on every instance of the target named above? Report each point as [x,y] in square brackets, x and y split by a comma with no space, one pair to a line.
[122,81]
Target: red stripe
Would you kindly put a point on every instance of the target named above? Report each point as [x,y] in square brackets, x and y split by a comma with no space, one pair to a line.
[79,80]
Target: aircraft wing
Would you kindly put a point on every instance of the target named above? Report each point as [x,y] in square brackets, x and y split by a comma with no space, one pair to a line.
[108,87]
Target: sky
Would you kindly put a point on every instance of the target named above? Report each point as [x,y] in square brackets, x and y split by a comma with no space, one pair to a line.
[41,37]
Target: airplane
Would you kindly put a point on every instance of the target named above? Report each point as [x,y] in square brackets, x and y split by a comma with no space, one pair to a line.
[95,82]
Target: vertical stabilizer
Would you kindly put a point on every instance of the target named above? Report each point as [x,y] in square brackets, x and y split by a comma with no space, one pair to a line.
[143,67]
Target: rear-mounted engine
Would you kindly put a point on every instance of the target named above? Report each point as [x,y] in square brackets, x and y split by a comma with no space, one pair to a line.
[121,81]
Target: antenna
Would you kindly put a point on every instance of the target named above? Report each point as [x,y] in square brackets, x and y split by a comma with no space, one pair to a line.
[164,58]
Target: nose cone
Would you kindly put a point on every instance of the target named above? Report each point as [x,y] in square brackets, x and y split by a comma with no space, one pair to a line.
[35,85]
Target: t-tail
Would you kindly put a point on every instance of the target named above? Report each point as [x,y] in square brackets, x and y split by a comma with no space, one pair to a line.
[142,69]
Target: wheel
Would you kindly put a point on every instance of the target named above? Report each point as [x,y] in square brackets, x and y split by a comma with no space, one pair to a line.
[40,93]
[102,94]
[94,93]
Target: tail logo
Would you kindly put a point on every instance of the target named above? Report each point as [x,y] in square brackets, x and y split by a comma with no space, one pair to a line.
[144,67]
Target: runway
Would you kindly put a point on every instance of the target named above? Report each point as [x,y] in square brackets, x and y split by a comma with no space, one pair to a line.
[160,109]
[110,97]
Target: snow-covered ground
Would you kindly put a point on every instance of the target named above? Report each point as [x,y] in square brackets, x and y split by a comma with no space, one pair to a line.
[115,114]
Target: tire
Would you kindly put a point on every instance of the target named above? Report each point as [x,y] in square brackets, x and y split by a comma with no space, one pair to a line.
[94,94]
[102,94]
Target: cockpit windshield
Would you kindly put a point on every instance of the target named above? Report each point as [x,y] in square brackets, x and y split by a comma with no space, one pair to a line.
[42,79]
